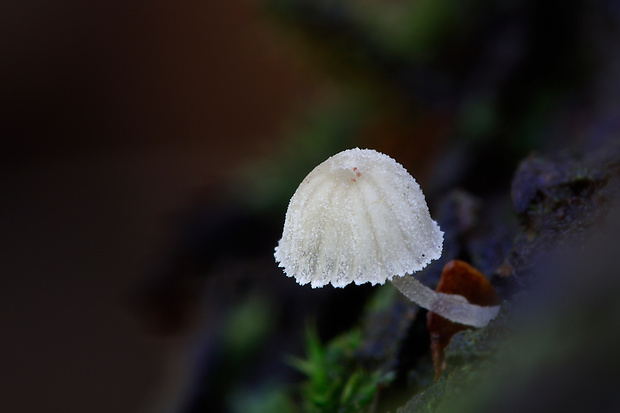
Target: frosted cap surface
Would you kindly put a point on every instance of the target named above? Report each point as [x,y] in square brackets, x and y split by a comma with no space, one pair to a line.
[357,217]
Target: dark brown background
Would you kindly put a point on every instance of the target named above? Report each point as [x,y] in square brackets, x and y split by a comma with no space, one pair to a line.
[113,115]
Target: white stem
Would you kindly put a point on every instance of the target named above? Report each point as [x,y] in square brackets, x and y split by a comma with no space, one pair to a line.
[451,306]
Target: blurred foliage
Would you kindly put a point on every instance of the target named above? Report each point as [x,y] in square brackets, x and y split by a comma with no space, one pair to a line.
[249,323]
[493,74]
[364,37]
[266,399]
[325,129]
[245,331]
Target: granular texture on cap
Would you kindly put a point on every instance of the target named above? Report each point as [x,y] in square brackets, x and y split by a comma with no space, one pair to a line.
[357,217]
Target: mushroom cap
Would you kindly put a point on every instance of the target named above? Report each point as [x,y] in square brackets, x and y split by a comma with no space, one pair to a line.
[357,217]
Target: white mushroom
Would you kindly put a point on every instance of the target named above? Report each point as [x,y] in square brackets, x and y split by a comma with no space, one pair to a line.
[361,217]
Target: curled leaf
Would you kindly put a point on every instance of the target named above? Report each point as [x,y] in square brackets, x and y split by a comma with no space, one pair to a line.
[457,277]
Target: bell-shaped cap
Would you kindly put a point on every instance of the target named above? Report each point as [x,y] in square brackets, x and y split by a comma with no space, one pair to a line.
[357,217]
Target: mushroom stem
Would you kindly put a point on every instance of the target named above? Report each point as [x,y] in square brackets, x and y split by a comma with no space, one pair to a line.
[451,306]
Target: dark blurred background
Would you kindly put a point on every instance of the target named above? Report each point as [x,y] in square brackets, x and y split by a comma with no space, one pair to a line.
[149,151]
[114,115]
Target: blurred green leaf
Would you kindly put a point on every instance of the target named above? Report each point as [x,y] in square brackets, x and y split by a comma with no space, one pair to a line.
[248,325]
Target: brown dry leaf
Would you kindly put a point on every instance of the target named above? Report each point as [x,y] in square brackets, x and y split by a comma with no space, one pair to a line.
[457,277]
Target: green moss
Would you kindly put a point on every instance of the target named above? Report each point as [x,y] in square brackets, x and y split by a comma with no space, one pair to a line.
[336,381]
